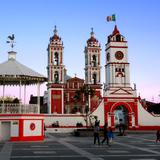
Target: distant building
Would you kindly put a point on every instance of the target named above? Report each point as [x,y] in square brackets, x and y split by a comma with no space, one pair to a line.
[43,106]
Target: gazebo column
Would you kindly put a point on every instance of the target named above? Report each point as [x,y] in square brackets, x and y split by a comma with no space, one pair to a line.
[38,97]
[20,96]
[3,98]
[25,109]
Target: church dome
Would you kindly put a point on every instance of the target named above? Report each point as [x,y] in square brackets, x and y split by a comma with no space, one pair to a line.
[55,36]
[92,41]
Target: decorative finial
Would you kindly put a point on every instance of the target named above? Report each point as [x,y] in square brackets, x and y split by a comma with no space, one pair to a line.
[11,40]
[92,33]
[75,75]
[55,29]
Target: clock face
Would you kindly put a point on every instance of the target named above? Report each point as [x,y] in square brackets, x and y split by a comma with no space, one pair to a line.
[119,55]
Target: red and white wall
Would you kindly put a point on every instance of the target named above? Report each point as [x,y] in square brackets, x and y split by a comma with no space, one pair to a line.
[21,127]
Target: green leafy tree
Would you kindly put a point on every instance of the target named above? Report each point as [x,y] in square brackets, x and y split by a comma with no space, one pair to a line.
[9,99]
[85,91]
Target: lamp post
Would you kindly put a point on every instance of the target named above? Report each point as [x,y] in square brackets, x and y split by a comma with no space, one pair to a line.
[86,112]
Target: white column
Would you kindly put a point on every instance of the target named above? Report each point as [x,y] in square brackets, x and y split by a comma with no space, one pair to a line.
[110,75]
[109,119]
[3,98]
[20,97]
[113,80]
[133,119]
[38,97]
[24,98]
[24,94]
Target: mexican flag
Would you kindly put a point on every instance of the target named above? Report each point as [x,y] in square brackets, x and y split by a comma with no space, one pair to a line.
[111,18]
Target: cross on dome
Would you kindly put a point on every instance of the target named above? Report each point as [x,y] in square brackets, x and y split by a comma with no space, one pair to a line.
[55,29]
[92,33]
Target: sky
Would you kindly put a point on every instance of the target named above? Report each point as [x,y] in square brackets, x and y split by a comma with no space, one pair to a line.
[33,21]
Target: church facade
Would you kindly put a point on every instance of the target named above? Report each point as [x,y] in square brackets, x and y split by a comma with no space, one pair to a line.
[62,89]
[74,100]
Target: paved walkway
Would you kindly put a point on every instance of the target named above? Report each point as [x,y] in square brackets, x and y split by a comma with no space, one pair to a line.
[67,147]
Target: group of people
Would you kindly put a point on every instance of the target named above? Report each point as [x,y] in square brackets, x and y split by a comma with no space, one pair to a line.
[107,134]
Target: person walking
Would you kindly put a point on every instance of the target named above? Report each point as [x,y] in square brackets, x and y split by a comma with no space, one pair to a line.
[105,134]
[158,136]
[110,135]
[96,133]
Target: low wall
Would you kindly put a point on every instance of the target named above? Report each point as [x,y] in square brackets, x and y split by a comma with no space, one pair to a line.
[64,120]
[21,127]
[146,119]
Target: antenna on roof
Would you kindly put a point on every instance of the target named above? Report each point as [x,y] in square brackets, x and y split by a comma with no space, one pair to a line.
[11,41]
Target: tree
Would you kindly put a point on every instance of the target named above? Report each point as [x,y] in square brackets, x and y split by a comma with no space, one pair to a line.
[9,99]
[85,91]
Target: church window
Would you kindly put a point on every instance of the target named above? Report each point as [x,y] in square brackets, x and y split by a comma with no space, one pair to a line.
[118,38]
[56,59]
[75,85]
[56,77]
[94,78]
[94,59]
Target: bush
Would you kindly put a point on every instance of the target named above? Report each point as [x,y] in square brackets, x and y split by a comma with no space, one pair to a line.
[55,124]
[79,124]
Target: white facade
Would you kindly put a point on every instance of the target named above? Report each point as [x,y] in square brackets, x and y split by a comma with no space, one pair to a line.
[117,72]
[55,67]
[92,61]
[117,66]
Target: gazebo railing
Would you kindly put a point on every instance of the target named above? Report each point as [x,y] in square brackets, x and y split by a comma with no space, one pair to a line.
[13,108]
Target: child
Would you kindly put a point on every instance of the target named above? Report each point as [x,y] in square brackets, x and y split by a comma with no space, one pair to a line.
[110,135]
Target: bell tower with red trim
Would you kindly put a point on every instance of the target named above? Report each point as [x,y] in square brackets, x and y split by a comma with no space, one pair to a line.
[56,70]
[93,69]
[117,89]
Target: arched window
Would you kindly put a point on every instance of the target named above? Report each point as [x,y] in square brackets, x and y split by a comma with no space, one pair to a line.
[56,58]
[56,77]
[94,59]
[118,38]
[94,78]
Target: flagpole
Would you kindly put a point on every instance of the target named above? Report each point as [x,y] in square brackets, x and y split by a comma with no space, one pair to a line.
[115,19]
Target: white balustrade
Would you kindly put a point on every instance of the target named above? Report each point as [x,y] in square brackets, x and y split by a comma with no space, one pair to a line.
[13,108]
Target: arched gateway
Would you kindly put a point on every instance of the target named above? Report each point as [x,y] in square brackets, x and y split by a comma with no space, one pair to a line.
[120,113]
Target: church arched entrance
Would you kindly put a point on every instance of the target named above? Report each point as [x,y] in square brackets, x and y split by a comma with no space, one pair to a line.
[121,116]
[121,113]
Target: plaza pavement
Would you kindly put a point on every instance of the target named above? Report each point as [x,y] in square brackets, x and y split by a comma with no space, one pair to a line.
[68,147]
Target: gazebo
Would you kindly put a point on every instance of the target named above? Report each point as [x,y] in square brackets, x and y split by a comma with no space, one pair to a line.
[20,122]
[13,72]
